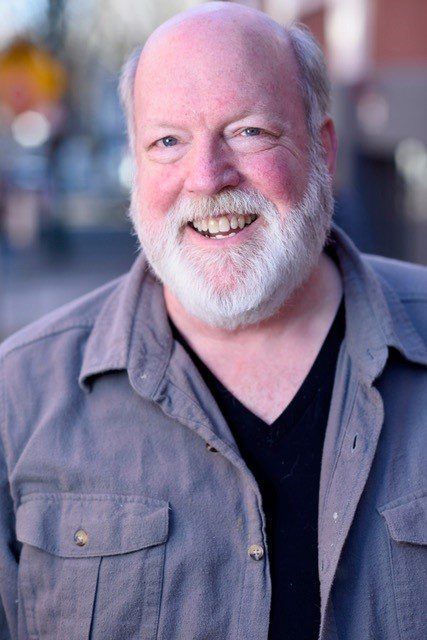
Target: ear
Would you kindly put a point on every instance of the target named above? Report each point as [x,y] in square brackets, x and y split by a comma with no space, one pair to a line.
[329,141]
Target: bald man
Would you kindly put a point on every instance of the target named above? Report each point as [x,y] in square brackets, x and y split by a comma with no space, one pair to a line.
[225,442]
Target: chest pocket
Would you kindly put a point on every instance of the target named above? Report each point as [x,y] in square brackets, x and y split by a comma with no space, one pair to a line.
[406,520]
[91,565]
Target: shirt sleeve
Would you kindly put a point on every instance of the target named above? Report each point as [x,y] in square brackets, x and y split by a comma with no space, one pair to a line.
[9,553]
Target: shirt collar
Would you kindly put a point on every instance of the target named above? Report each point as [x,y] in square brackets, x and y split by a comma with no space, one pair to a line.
[132,332]
[376,319]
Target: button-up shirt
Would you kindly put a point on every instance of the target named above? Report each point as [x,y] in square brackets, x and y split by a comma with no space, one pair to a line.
[127,511]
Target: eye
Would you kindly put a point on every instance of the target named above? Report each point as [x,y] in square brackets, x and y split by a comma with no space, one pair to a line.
[168,141]
[251,131]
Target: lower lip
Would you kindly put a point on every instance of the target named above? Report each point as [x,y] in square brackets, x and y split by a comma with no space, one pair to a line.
[228,241]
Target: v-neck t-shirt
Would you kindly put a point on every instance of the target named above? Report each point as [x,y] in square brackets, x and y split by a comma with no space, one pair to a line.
[285,459]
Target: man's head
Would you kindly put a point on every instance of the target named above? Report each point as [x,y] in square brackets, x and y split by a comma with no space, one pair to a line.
[228,121]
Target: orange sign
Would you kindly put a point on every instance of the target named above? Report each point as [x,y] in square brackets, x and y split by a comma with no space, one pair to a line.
[29,77]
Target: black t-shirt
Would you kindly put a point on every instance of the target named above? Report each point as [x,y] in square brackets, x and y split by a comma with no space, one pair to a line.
[285,458]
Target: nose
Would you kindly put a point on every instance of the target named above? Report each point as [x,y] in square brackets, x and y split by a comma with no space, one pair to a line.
[210,169]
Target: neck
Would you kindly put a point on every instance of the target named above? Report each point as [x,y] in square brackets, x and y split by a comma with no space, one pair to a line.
[312,305]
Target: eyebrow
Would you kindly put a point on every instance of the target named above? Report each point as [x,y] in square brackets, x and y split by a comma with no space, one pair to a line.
[268,118]
[241,116]
[153,123]
[259,110]
[159,125]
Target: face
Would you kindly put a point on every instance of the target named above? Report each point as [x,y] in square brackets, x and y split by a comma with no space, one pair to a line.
[231,201]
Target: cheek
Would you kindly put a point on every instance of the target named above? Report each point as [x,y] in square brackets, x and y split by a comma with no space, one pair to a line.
[159,188]
[280,177]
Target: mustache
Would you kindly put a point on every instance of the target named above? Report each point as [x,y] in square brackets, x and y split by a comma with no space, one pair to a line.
[237,202]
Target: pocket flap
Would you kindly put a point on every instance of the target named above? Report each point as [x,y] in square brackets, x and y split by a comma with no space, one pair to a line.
[406,518]
[85,525]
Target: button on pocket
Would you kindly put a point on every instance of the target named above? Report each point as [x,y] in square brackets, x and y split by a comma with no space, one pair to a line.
[81,538]
[91,565]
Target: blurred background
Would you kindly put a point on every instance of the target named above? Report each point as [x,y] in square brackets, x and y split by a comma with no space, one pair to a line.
[64,165]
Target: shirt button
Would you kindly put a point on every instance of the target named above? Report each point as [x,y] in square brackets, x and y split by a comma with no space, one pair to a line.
[81,537]
[210,448]
[256,551]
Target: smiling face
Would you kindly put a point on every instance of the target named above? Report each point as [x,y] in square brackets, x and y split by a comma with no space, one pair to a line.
[227,178]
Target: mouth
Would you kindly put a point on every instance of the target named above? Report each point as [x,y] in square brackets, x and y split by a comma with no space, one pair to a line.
[224,226]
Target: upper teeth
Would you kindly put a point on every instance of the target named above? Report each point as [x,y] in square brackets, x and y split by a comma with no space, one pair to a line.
[223,224]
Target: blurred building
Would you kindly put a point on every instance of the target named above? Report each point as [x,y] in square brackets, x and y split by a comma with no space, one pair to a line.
[377,56]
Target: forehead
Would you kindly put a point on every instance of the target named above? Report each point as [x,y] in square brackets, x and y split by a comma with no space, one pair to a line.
[214,70]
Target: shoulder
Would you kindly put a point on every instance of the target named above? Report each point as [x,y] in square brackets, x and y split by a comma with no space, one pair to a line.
[406,281]
[66,324]
[40,366]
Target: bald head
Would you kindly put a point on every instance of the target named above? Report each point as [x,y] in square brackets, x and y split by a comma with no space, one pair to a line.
[212,18]
[218,32]
[242,38]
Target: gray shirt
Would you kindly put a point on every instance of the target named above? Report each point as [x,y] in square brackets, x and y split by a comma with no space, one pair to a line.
[128,513]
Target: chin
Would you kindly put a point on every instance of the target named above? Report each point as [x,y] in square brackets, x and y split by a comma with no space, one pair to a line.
[225,304]
[224,283]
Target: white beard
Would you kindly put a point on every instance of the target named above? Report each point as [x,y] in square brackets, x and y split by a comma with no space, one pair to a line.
[228,287]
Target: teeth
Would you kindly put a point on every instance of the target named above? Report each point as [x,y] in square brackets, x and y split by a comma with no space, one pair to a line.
[213,225]
[223,224]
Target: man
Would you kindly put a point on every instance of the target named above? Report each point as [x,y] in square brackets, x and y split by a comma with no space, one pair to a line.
[229,450]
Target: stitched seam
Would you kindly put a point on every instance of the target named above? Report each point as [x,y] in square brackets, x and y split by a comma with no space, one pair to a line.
[197,424]
[95,593]
[239,619]
[163,374]
[154,597]
[350,498]
[3,410]
[43,336]
[108,363]
[213,437]
[96,553]
[192,401]
[355,279]
[390,557]
[3,431]
[59,497]
[28,607]
[407,326]
[338,455]
[345,512]
[162,583]
[418,492]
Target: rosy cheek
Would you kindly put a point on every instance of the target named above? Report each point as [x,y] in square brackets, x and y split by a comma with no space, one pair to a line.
[279,176]
[159,187]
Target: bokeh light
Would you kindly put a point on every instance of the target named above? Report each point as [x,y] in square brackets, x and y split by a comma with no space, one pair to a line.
[31,129]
